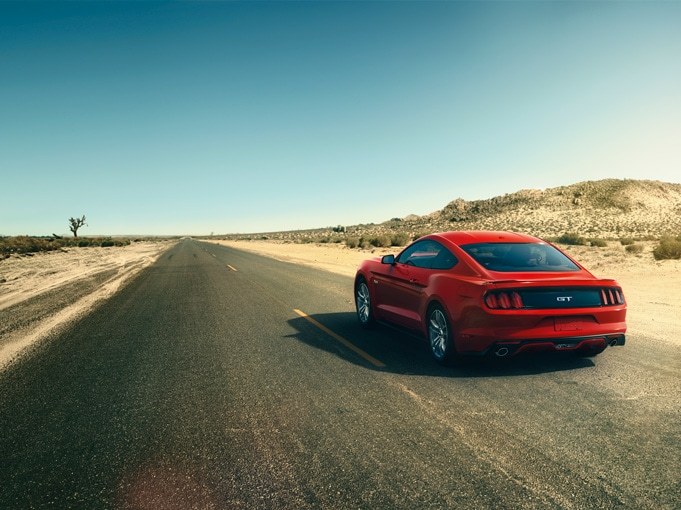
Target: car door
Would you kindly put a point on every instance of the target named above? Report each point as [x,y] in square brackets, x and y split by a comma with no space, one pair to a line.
[392,288]
[401,288]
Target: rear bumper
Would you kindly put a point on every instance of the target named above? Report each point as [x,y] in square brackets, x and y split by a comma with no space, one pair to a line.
[508,348]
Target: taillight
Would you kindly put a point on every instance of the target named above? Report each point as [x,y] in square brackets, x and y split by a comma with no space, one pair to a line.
[491,301]
[503,300]
[611,296]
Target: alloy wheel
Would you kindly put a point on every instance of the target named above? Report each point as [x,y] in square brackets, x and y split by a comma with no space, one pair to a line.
[363,300]
[438,334]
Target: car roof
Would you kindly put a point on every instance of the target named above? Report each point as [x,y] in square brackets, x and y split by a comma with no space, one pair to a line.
[486,236]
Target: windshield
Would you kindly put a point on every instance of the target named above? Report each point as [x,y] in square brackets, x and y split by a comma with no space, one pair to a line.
[519,257]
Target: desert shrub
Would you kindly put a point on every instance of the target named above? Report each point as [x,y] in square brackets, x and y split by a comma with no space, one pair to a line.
[571,238]
[399,239]
[669,248]
[28,244]
[381,241]
[107,243]
[83,243]
[626,241]
[418,235]
[634,248]
[598,243]
[352,242]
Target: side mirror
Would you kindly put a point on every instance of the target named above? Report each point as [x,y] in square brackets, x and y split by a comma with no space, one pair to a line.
[388,259]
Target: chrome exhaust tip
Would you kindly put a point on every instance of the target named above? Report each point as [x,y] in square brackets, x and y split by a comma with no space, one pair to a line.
[501,352]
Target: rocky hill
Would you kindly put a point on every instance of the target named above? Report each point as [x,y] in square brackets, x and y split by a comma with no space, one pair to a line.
[610,208]
[607,208]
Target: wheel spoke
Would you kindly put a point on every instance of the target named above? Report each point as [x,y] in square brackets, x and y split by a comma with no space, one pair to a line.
[363,303]
[437,332]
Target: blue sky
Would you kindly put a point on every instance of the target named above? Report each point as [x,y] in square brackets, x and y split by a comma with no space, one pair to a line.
[191,118]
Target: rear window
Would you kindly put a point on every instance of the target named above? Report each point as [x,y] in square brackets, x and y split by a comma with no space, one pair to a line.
[517,257]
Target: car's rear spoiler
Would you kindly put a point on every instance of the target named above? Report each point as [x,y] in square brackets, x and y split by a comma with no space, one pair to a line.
[553,282]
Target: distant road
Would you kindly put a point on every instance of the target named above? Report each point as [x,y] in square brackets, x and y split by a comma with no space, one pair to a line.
[222,379]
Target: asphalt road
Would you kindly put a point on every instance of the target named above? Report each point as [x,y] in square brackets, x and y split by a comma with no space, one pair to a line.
[200,386]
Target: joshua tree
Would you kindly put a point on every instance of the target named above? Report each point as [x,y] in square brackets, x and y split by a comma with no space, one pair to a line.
[75,224]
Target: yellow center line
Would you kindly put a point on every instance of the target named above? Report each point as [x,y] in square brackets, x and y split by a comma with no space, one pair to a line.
[342,340]
[231,267]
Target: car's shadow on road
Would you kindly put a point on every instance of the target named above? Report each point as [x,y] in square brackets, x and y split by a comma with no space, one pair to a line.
[405,353]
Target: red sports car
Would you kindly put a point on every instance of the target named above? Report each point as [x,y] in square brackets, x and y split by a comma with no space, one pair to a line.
[474,293]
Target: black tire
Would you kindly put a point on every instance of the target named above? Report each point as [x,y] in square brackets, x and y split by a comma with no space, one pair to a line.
[365,314]
[440,340]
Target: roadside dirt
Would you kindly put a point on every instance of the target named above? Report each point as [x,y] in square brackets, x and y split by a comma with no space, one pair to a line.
[40,293]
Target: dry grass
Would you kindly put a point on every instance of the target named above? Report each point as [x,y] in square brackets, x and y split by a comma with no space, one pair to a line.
[30,244]
[669,248]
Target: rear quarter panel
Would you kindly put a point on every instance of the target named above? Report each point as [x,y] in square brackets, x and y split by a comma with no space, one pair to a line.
[457,293]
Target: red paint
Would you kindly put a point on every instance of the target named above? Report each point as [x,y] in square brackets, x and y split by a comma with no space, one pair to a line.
[486,308]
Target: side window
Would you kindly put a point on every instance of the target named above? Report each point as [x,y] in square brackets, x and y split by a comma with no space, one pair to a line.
[406,255]
[445,259]
[427,254]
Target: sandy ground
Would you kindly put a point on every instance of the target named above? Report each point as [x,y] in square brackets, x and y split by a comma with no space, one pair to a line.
[652,288]
[42,292]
